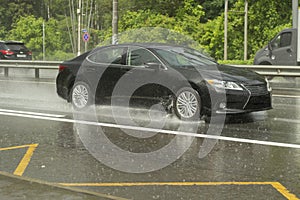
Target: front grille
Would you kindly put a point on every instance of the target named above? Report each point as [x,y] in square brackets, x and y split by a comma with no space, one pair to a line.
[257,90]
[259,103]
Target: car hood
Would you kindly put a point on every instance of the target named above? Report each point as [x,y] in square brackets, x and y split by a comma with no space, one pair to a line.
[227,73]
[260,54]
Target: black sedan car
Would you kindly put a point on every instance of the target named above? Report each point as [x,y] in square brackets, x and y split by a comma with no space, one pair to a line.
[180,78]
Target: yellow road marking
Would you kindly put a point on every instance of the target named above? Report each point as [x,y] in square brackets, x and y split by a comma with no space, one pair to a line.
[55,185]
[26,158]
[279,187]
[31,148]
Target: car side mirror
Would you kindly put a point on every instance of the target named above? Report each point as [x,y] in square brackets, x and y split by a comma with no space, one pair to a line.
[154,66]
[270,48]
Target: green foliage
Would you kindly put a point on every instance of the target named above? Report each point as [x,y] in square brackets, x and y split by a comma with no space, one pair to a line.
[157,35]
[55,56]
[145,18]
[30,30]
[199,21]
[236,62]
[263,23]
[182,29]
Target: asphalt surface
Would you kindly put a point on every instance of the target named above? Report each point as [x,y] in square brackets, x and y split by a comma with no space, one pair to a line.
[253,156]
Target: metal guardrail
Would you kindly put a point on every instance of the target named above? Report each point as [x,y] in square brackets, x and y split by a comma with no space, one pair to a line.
[265,70]
[28,64]
[273,70]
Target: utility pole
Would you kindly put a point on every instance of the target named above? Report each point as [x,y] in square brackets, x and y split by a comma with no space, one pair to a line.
[296,24]
[44,49]
[246,31]
[115,22]
[295,13]
[225,29]
[79,27]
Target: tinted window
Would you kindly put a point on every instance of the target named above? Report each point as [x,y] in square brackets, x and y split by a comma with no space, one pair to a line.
[16,47]
[286,39]
[283,40]
[140,56]
[109,55]
[178,57]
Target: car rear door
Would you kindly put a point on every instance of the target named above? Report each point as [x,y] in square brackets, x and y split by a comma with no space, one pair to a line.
[102,69]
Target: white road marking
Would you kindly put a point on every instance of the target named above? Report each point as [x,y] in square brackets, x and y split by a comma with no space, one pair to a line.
[295,121]
[32,113]
[215,137]
[29,82]
[286,96]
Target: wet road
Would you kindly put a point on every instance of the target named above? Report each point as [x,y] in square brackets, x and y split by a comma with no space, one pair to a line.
[152,156]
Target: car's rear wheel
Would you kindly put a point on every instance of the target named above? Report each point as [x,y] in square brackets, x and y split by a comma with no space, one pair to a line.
[187,105]
[81,95]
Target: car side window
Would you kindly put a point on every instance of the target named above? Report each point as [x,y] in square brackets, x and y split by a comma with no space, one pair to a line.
[108,56]
[283,40]
[140,56]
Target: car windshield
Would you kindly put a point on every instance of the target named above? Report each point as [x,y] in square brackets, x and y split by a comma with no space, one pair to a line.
[182,57]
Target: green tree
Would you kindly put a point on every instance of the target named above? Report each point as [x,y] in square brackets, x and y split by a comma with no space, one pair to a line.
[264,22]
[30,30]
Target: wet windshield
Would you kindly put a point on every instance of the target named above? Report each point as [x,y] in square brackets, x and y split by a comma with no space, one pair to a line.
[181,57]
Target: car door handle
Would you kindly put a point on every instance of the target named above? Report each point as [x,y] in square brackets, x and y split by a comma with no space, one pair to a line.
[90,69]
[125,71]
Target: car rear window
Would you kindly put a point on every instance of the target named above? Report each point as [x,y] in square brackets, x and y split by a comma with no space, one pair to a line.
[15,46]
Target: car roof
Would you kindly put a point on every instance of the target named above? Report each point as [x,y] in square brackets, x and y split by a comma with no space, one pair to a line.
[11,42]
[144,45]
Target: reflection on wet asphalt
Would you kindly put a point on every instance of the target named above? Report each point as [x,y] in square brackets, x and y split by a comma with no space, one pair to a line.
[66,153]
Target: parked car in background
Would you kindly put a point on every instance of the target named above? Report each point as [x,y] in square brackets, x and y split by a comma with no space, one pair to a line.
[194,84]
[14,50]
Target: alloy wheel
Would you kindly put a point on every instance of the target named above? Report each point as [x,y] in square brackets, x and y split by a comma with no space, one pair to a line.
[80,96]
[187,104]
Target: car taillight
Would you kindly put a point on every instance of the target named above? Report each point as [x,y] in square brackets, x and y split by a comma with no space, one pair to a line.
[61,67]
[29,53]
[6,52]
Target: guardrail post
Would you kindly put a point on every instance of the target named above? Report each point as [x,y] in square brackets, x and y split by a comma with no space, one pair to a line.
[37,73]
[6,71]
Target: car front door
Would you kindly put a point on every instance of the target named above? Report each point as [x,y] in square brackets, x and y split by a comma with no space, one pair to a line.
[143,76]
[283,52]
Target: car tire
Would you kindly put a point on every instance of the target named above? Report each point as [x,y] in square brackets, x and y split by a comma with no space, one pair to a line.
[187,104]
[81,96]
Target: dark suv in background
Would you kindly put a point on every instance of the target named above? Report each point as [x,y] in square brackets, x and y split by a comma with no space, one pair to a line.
[13,50]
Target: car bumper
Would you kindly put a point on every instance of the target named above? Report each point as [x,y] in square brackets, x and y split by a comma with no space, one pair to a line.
[235,102]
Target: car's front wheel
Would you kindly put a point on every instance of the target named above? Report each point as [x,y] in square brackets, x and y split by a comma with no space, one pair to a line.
[81,95]
[187,105]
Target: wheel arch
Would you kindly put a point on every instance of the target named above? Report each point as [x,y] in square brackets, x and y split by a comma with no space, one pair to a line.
[265,63]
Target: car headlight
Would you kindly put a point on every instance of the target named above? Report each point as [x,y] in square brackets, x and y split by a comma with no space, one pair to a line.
[228,85]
